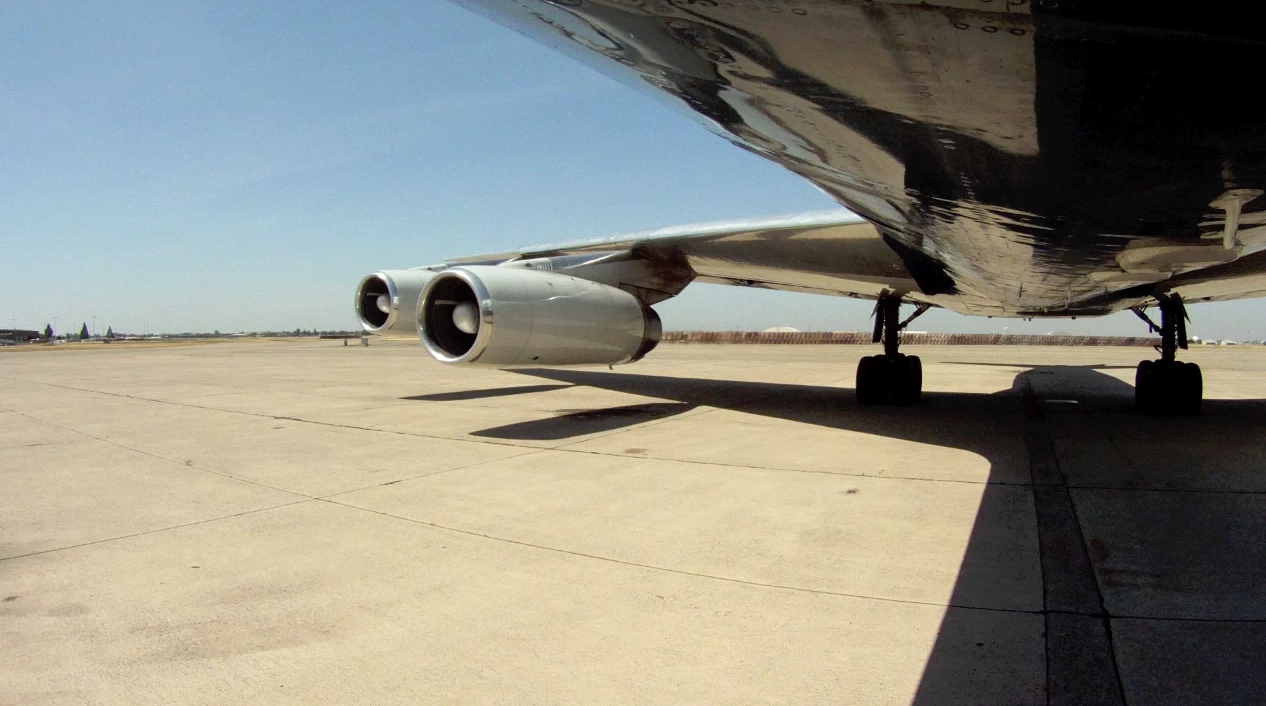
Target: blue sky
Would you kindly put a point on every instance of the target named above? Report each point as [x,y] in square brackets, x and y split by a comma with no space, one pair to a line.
[231,166]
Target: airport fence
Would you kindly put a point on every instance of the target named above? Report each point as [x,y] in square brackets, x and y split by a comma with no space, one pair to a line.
[912,338]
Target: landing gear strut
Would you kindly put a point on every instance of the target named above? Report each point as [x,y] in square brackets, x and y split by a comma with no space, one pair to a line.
[892,375]
[1168,386]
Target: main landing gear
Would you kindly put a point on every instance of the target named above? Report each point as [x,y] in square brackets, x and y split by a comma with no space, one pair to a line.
[892,375]
[1168,386]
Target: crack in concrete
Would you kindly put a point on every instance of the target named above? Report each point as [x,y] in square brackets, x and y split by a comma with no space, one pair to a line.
[156,530]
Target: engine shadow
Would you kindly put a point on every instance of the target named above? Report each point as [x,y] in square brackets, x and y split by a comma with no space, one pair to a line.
[582,422]
[1082,436]
[467,395]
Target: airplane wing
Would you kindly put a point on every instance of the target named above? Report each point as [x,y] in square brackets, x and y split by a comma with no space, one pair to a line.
[1008,159]
[826,252]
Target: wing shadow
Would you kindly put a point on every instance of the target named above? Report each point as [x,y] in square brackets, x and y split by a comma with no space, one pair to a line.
[1071,415]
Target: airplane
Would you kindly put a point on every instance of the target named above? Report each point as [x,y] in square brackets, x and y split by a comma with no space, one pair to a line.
[1007,158]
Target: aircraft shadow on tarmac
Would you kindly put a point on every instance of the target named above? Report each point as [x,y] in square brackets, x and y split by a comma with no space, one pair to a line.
[1218,450]
[467,395]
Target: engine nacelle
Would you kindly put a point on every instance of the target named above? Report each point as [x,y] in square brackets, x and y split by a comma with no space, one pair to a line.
[387,301]
[505,316]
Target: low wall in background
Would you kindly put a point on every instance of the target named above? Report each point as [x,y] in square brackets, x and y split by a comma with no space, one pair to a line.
[914,339]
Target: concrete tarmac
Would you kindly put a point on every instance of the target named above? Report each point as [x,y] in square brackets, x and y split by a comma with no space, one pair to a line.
[308,523]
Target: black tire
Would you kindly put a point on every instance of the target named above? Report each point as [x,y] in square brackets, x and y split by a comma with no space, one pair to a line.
[1190,389]
[916,375]
[872,380]
[1167,387]
[898,379]
[1144,386]
[907,385]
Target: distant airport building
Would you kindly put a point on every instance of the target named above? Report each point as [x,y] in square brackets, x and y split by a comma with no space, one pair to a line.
[17,335]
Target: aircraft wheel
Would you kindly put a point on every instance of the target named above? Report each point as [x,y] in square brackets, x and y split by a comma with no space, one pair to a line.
[1189,384]
[872,380]
[906,381]
[1168,387]
[1143,385]
[1167,396]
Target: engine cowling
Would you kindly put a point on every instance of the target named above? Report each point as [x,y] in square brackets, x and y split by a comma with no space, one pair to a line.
[506,316]
[387,301]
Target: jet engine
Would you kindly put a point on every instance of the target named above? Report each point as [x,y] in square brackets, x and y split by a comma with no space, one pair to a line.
[505,316]
[387,301]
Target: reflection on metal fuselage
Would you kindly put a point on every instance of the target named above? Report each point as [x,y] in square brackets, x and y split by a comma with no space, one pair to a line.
[1019,149]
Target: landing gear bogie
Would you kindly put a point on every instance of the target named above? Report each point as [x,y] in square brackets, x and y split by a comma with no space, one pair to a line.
[890,376]
[1168,386]
[881,379]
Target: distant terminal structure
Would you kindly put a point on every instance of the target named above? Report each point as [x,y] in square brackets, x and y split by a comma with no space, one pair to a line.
[17,335]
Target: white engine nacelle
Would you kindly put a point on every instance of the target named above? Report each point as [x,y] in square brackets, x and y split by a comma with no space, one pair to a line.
[505,316]
[387,301]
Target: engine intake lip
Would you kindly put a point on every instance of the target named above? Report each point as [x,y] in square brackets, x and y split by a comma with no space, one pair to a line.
[371,318]
[439,335]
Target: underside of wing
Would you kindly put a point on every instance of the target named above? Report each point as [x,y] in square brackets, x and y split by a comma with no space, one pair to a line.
[828,252]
